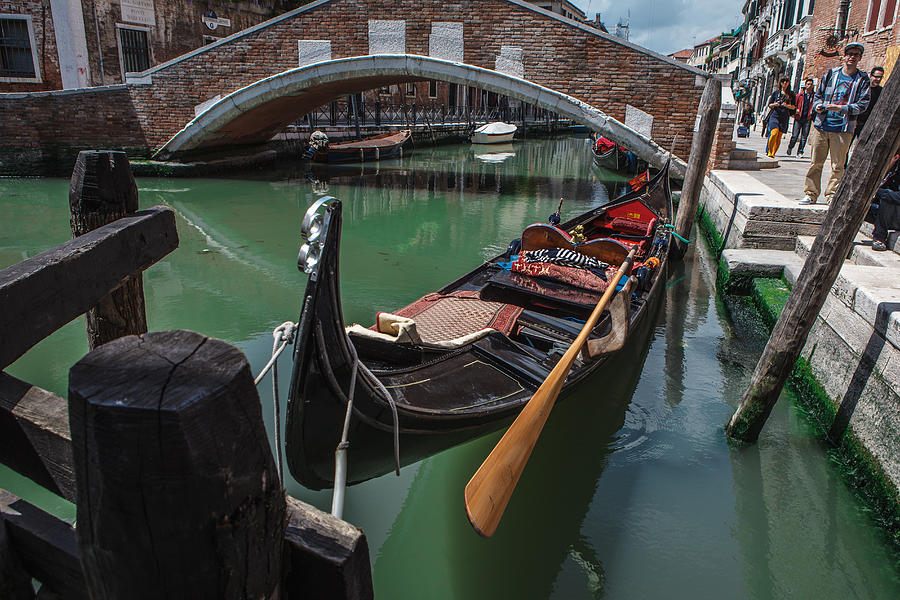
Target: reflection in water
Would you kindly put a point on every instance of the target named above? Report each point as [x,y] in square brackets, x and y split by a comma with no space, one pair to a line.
[632,491]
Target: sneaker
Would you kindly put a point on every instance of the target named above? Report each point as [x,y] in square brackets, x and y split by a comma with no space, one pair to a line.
[788,151]
[879,246]
[807,200]
[800,154]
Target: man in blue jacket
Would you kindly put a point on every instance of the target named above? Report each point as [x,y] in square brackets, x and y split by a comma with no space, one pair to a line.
[842,94]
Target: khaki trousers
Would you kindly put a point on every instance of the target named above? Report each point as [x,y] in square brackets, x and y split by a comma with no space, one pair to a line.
[822,144]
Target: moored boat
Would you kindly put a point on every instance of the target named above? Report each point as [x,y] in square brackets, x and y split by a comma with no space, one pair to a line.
[464,360]
[376,147]
[497,132]
[613,157]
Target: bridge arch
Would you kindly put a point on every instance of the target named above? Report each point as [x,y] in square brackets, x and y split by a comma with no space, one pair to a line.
[256,112]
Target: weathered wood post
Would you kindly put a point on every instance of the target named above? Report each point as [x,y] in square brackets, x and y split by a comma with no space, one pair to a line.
[701,146]
[15,582]
[178,495]
[861,179]
[102,190]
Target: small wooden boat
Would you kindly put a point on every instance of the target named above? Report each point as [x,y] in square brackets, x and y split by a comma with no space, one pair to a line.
[497,132]
[617,159]
[377,147]
[463,361]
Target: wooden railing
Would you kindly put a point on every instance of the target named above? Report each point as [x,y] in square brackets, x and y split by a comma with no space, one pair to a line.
[160,444]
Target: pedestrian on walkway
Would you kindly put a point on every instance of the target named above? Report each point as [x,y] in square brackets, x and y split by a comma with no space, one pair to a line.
[802,118]
[782,105]
[875,76]
[884,212]
[842,94]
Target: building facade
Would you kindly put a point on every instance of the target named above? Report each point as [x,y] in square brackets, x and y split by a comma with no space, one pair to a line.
[871,23]
[775,40]
[69,44]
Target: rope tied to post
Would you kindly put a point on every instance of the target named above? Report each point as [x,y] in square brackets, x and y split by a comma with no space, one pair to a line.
[283,335]
[671,228]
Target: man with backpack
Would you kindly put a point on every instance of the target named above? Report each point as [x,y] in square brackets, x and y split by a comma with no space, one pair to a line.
[842,94]
[803,117]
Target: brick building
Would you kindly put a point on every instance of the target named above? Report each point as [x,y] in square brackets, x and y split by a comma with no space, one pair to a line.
[868,22]
[69,44]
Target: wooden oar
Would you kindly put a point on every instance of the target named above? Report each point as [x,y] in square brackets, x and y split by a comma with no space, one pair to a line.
[489,490]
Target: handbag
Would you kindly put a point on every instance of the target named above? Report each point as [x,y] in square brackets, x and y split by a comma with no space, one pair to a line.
[742,131]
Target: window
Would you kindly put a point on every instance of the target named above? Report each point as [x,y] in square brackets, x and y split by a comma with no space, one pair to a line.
[134,50]
[411,89]
[432,89]
[18,56]
[881,14]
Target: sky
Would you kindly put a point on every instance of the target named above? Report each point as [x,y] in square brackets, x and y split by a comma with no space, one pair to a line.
[666,26]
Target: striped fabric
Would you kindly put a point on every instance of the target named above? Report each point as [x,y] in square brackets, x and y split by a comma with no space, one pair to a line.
[565,258]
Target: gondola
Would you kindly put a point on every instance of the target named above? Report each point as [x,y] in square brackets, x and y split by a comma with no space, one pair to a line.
[377,147]
[618,159]
[462,361]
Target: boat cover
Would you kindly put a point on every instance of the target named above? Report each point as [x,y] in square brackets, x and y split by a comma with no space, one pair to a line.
[497,128]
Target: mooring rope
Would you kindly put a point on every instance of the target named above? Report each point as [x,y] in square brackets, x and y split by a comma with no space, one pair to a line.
[283,335]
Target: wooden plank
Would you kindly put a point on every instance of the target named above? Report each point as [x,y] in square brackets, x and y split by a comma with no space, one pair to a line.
[34,429]
[45,545]
[41,294]
[178,493]
[325,557]
[102,190]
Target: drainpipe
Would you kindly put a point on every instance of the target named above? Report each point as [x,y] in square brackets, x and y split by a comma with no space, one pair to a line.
[843,10]
[99,47]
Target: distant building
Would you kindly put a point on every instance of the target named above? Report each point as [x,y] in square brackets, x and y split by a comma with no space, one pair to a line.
[67,44]
[774,43]
[562,7]
[702,53]
[682,55]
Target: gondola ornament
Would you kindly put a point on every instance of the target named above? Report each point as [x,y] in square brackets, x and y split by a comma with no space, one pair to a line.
[315,222]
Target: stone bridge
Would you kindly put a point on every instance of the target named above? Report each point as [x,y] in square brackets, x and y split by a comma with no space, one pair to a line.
[248,86]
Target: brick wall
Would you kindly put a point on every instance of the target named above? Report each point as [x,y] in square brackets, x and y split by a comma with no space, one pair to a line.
[875,42]
[595,68]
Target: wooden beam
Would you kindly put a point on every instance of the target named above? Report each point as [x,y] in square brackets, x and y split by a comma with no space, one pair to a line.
[325,557]
[45,545]
[178,493]
[103,190]
[15,582]
[876,147]
[41,294]
[34,435]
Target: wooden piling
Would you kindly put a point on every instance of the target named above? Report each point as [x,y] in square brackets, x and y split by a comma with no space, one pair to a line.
[102,189]
[15,583]
[861,179]
[178,494]
[701,146]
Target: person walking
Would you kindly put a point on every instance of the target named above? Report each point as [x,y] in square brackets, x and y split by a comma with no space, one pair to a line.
[875,76]
[802,118]
[781,103]
[842,94]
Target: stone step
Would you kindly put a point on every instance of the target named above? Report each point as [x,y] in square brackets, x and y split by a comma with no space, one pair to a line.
[747,262]
[743,154]
[766,163]
[862,254]
[743,165]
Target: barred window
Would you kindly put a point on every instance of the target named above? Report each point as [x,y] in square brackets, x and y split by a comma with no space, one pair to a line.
[432,89]
[17,58]
[135,50]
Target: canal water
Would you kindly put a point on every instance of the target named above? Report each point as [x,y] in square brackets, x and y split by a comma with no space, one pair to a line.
[632,491]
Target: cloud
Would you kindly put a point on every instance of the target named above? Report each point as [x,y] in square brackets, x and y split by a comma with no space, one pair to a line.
[667,26]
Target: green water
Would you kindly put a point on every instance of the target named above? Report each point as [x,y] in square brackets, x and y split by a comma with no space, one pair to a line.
[632,491]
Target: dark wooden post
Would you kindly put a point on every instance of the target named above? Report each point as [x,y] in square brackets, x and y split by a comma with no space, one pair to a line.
[101,191]
[861,179]
[701,146]
[178,495]
[15,582]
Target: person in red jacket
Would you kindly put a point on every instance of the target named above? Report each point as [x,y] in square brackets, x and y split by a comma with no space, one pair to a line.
[803,117]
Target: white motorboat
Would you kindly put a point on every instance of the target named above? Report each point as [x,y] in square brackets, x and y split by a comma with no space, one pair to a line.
[494,133]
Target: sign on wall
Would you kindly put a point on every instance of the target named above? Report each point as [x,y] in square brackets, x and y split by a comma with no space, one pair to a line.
[212,21]
[139,11]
